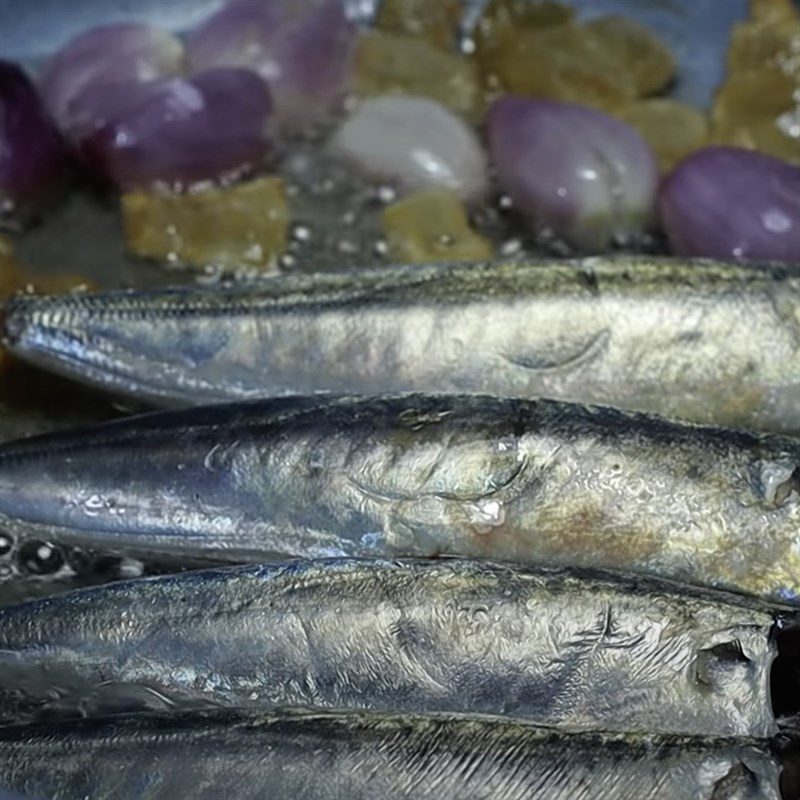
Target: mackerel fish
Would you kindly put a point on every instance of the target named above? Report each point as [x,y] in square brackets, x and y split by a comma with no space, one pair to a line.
[509,480]
[576,649]
[709,342]
[357,756]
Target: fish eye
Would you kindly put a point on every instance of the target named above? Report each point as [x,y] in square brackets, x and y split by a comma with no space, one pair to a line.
[778,481]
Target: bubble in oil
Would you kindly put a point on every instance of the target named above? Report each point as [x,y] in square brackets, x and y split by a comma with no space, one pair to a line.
[301,233]
[40,558]
[6,544]
[347,247]
[344,209]
[386,194]
[511,247]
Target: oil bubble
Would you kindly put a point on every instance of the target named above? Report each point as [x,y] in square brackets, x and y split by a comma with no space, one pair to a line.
[40,558]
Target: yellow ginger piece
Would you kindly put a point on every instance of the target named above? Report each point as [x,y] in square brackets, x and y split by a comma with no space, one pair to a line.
[437,21]
[672,129]
[388,63]
[565,62]
[430,226]
[241,226]
[645,57]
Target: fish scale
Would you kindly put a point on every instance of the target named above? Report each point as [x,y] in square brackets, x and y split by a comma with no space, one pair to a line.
[360,756]
[579,649]
[421,475]
[662,336]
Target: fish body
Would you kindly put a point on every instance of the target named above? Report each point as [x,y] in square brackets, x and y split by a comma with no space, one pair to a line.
[510,480]
[581,650]
[709,342]
[334,756]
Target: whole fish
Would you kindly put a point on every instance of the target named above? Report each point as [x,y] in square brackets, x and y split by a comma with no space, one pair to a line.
[713,343]
[510,480]
[357,756]
[581,650]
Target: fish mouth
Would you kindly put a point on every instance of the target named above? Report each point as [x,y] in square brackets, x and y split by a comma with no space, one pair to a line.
[26,327]
[32,337]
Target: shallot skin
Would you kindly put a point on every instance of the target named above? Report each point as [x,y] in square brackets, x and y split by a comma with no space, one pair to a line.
[180,131]
[728,202]
[303,50]
[414,142]
[33,156]
[572,171]
[118,54]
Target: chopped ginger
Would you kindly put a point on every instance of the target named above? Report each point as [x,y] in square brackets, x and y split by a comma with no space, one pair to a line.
[432,226]
[672,129]
[239,226]
[437,21]
[644,56]
[566,62]
[535,49]
[774,10]
[758,45]
[759,109]
[502,20]
[758,106]
[389,63]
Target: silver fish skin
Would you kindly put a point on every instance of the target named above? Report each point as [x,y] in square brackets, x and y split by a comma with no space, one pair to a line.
[357,756]
[709,342]
[414,475]
[576,649]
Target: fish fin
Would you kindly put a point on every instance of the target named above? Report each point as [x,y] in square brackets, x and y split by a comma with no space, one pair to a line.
[583,353]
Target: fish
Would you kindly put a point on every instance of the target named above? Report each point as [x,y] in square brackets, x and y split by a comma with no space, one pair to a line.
[307,755]
[419,476]
[579,649]
[708,342]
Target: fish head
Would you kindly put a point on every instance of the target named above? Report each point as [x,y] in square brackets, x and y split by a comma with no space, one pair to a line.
[34,327]
[109,341]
